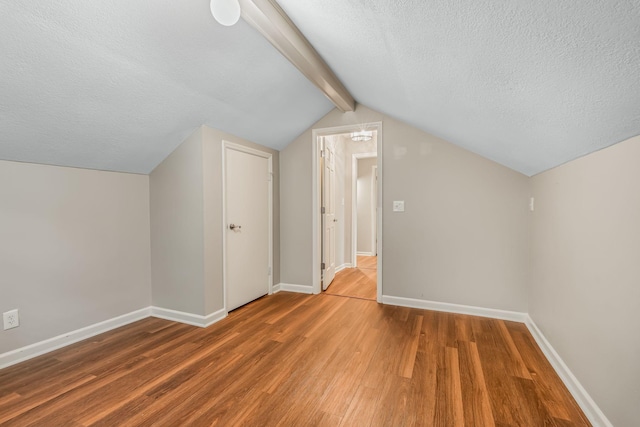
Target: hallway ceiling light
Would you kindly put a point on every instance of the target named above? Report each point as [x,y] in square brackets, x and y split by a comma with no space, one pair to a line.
[363,135]
[226,12]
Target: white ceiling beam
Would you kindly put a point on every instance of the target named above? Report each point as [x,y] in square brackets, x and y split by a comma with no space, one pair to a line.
[272,22]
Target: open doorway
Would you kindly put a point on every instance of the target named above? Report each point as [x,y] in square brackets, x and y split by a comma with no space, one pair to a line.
[359,280]
[336,218]
[364,186]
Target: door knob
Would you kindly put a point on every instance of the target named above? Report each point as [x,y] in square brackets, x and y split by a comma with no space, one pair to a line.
[234,227]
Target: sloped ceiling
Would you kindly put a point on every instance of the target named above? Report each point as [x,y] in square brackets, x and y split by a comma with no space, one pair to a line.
[117,84]
[529,84]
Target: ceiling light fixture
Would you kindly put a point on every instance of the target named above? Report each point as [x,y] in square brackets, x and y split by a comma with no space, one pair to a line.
[363,135]
[226,12]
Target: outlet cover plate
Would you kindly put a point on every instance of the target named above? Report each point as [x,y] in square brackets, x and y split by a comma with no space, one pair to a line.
[398,205]
[10,319]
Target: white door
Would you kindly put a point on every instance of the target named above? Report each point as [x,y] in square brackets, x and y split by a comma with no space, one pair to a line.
[374,210]
[329,218]
[247,229]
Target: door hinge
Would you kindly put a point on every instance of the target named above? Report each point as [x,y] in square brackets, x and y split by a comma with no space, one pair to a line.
[322,210]
[321,153]
[322,266]
[269,176]
[269,271]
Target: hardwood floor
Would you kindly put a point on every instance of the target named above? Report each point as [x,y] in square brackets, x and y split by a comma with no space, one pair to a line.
[360,282]
[296,360]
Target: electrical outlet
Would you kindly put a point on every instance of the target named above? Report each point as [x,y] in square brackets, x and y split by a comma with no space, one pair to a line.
[398,205]
[11,319]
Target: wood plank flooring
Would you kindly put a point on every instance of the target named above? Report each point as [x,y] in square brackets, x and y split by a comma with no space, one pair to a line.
[296,360]
[360,282]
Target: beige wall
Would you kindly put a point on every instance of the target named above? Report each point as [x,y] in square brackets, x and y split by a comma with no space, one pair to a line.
[186,224]
[463,238]
[364,208]
[585,287]
[74,248]
[295,212]
[177,229]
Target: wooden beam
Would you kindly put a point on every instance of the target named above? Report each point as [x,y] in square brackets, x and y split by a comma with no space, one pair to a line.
[272,22]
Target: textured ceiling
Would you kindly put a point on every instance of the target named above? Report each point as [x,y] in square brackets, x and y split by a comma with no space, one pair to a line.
[117,85]
[529,84]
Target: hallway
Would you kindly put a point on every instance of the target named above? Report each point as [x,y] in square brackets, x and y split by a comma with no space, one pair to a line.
[359,282]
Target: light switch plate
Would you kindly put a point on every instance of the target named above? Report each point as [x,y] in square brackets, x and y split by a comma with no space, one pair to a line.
[398,205]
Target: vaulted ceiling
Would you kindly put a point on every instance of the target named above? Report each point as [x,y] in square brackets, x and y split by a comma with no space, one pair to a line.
[117,85]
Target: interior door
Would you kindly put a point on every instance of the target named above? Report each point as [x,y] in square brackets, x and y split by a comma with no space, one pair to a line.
[329,218]
[374,210]
[247,181]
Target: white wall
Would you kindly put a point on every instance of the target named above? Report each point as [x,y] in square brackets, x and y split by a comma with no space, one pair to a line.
[74,248]
[585,287]
[365,209]
[464,236]
[186,224]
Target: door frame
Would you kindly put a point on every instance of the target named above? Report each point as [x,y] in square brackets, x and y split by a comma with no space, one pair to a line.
[316,203]
[354,202]
[266,155]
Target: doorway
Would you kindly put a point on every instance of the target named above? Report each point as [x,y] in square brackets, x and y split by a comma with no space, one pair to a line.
[334,218]
[364,186]
[247,222]
[357,282]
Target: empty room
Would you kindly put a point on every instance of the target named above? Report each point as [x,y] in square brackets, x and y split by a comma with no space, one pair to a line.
[320,213]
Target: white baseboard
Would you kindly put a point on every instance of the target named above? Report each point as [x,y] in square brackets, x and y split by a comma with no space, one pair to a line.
[188,318]
[21,354]
[365,254]
[343,266]
[301,289]
[586,403]
[29,352]
[456,308]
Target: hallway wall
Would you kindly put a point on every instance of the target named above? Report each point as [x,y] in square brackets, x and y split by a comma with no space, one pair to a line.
[463,238]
